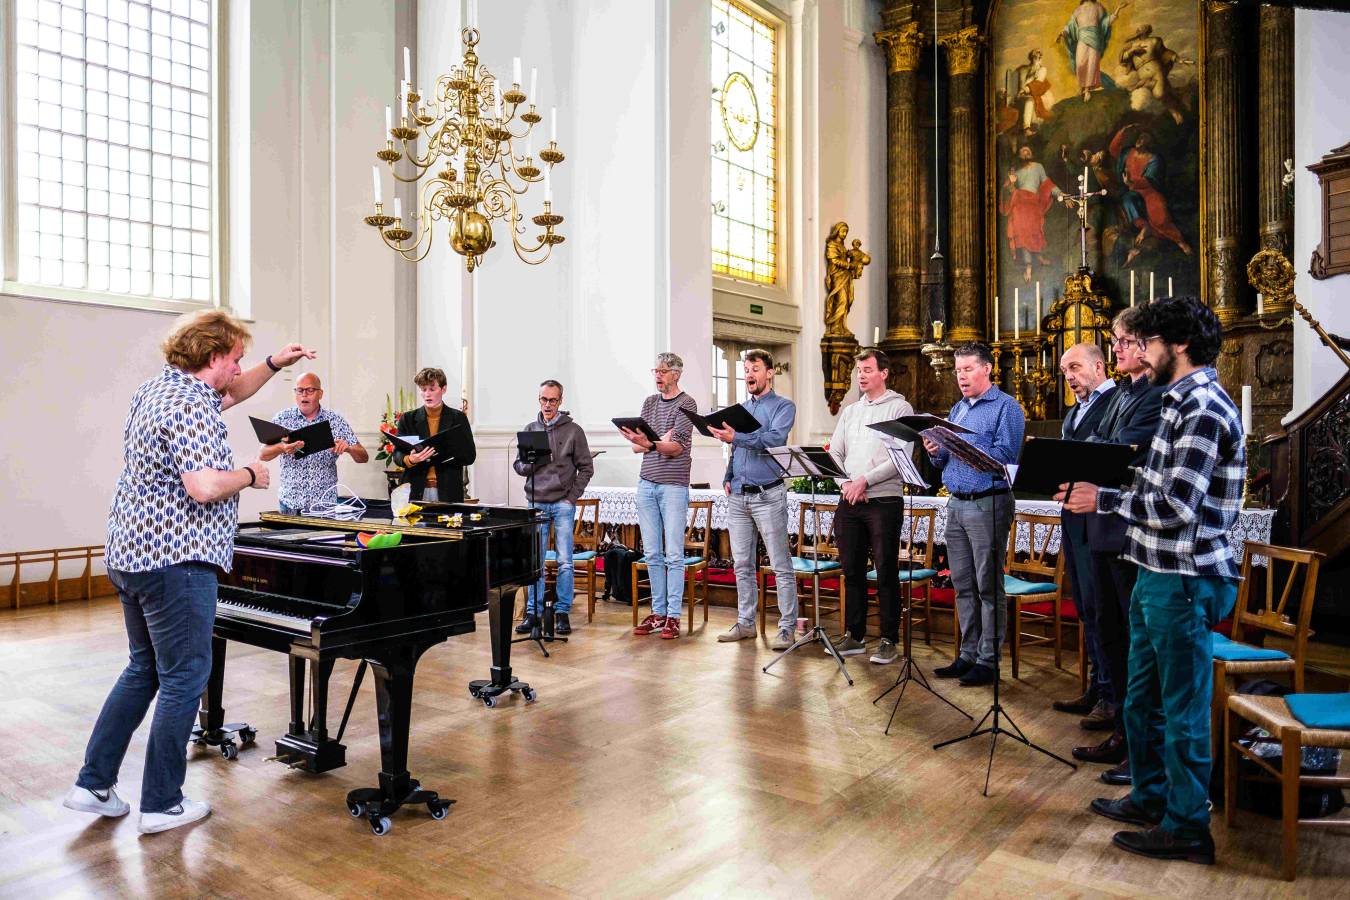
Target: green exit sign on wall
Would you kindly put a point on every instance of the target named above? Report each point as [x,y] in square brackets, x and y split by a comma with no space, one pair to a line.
[756,309]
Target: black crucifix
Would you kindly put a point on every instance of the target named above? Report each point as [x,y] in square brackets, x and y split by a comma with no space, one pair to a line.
[1080,202]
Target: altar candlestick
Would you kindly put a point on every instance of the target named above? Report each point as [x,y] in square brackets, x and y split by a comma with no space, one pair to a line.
[1169,286]
[1132,287]
[473,13]
[1085,173]
[1260,304]
[876,335]
[1150,287]
[996,318]
[1038,307]
[375,175]
[1247,410]
[1017,314]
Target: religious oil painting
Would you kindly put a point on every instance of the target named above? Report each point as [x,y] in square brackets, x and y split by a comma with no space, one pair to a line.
[1099,99]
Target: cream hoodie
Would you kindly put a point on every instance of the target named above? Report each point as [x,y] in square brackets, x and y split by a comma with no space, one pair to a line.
[863,449]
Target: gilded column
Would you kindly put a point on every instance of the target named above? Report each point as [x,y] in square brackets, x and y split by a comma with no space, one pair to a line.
[963,61]
[1224,160]
[904,156]
[1276,135]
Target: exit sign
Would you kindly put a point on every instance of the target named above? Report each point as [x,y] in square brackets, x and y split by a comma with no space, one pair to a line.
[756,309]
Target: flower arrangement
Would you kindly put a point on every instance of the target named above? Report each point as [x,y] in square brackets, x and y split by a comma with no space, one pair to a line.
[389,425]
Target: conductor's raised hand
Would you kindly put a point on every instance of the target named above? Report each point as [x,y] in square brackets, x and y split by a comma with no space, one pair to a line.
[417,457]
[291,353]
[1078,497]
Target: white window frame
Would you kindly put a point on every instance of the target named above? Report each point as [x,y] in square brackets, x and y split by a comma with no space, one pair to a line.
[9,235]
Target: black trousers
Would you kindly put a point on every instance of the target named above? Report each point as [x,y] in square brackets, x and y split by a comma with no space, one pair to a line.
[860,528]
[1115,584]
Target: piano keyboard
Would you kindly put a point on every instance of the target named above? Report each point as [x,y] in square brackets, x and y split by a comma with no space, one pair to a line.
[295,624]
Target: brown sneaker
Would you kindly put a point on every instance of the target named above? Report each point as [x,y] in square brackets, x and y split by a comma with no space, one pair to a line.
[671,630]
[650,624]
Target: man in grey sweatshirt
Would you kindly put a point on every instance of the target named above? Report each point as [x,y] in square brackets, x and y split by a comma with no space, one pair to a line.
[555,489]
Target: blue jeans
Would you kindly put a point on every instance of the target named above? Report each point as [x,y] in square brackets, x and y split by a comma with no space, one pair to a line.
[1172,673]
[750,517]
[662,511]
[169,613]
[561,518]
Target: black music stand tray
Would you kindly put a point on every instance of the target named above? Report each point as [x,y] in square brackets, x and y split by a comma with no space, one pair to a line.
[980,461]
[534,451]
[811,463]
[909,480]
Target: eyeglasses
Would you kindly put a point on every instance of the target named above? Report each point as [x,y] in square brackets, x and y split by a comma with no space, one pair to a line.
[305,392]
[1144,342]
[662,371]
[1125,343]
[550,401]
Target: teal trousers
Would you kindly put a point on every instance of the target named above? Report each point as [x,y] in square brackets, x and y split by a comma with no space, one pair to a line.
[1168,697]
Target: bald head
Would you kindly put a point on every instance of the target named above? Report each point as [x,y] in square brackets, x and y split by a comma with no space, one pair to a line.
[1084,368]
[309,379]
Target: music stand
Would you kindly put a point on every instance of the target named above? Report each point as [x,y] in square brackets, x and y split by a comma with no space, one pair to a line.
[980,461]
[810,463]
[909,480]
[534,450]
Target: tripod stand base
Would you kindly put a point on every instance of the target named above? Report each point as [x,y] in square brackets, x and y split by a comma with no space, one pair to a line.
[996,711]
[911,672]
[815,634]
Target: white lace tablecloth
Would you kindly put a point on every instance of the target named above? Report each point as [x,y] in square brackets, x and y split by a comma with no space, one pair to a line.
[618,506]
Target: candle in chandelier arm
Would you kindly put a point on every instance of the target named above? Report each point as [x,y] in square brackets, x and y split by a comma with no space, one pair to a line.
[548,185]
[388,121]
[515,71]
[553,124]
[534,81]
[407,65]
[398,208]
[375,175]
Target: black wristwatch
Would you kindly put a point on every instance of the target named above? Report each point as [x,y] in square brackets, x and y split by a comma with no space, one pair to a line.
[252,476]
[271,365]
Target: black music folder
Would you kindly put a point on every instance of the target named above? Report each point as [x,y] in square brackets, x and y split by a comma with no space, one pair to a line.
[736,415]
[639,424]
[409,443]
[318,436]
[921,422]
[897,429]
[1046,463]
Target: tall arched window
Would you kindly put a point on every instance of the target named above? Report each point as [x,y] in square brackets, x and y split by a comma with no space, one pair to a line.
[745,143]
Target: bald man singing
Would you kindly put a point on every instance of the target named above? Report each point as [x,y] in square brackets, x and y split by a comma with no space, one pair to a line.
[313,477]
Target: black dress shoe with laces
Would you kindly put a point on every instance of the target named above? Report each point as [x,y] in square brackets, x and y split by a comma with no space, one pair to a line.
[1159,843]
[1079,706]
[1118,775]
[955,669]
[1111,750]
[562,623]
[527,624]
[977,676]
[1123,810]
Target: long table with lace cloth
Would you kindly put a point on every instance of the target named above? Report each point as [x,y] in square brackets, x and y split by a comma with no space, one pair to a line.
[618,507]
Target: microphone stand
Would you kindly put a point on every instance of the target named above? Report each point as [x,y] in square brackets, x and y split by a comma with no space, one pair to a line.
[542,632]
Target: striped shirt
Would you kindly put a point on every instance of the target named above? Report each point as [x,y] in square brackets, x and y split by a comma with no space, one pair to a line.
[1184,501]
[664,415]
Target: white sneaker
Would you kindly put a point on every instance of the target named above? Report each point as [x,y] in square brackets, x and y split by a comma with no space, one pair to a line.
[184,813]
[103,803]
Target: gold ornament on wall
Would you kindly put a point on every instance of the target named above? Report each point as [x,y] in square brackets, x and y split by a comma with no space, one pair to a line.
[903,46]
[843,266]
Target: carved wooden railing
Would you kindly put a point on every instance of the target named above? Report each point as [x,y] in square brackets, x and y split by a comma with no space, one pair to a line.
[52,593]
[1310,473]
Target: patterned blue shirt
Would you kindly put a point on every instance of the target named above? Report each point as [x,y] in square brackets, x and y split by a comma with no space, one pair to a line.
[999,423]
[749,464]
[313,477]
[174,426]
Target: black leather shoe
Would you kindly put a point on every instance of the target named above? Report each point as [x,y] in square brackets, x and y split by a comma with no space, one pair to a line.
[1123,810]
[562,623]
[1111,750]
[956,669]
[1079,706]
[527,624]
[1159,843]
[978,675]
[1118,775]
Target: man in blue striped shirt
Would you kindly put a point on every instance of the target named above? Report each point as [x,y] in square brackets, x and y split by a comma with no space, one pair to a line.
[979,514]
[1180,508]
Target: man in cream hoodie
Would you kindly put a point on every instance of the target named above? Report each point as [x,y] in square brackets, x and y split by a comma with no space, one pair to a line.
[870,508]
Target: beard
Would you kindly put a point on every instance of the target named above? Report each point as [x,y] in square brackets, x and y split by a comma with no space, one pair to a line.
[1164,371]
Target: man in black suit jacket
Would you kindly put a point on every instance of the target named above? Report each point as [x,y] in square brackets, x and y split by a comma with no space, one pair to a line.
[435,475]
[1131,417]
[1084,369]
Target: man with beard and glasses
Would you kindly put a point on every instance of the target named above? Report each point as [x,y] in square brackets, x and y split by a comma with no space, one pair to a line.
[1180,508]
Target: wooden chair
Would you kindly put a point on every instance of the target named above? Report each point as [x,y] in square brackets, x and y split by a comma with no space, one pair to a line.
[804,566]
[696,541]
[921,557]
[1253,658]
[1034,599]
[585,551]
[1273,714]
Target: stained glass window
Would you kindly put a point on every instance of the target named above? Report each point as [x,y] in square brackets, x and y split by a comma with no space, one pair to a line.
[114,160]
[744,143]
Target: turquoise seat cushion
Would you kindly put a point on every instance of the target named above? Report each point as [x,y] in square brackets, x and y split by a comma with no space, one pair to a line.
[1233,651]
[1321,710]
[807,565]
[919,574]
[692,560]
[1019,588]
[552,555]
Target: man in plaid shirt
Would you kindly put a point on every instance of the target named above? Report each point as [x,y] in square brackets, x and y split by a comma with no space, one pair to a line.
[1180,510]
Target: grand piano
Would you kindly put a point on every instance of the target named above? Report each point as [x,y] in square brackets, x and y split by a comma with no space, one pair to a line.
[304,586]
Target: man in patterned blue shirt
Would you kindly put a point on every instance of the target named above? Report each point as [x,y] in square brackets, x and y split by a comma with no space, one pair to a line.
[170,529]
[312,478]
[1180,509]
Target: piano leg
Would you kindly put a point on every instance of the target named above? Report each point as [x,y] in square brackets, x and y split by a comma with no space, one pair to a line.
[307,746]
[499,630]
[211,730]
[393,696]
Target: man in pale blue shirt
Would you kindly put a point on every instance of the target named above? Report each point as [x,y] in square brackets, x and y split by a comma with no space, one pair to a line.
[758,502]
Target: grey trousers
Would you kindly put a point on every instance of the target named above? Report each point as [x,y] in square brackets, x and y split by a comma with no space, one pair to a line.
[976,546]
[766,514]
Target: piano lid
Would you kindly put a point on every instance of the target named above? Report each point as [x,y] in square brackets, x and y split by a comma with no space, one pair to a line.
[491,518]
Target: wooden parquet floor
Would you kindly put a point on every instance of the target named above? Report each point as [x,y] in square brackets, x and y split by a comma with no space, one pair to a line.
[647,768]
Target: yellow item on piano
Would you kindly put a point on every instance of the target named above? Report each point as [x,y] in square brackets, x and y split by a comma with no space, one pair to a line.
[408,509]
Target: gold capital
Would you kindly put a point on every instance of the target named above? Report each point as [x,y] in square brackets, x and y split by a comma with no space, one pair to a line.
[963,50]
[903,46]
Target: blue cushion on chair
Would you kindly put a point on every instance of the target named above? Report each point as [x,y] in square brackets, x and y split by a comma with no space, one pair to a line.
[551,555]
[1019,588]
[1320,710]
[1233,651]
[692,560]
[803,564]
[919,574]
[583,555]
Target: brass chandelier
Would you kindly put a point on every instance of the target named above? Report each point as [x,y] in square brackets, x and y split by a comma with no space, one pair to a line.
[471,128]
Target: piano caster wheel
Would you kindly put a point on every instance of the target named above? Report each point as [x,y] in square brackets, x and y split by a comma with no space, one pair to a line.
[355,810]
[489,701]
[529,695]
[474,692]
[438,810]
[229,751]
[247,735]
[381,826]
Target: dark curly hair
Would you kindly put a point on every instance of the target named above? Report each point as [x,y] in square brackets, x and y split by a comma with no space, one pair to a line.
[1184,320]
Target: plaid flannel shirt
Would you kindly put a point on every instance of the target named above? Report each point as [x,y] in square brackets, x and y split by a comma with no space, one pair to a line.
[1184,501]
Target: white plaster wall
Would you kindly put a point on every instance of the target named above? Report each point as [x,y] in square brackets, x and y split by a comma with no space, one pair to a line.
[1320,39]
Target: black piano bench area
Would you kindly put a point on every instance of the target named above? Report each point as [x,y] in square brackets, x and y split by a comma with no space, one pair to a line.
[303,586]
